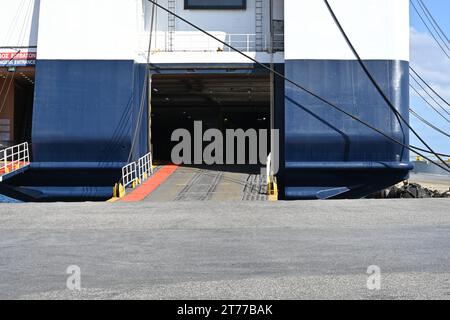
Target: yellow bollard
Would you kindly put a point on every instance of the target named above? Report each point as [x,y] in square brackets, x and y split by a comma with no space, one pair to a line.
[272,189]
[121,191]
[136,183]
[116,191]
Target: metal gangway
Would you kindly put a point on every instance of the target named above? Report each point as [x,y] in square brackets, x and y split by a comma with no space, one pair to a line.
[14,160]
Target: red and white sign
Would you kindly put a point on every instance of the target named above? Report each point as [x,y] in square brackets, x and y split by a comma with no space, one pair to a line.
[17,58]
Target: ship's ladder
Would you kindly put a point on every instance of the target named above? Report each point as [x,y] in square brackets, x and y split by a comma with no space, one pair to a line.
[14,160]
[172,6]
[259,24]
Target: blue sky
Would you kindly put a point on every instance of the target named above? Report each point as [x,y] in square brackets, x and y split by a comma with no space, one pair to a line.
[431,63]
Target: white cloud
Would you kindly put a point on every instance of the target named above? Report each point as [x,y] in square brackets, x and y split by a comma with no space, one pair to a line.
[430,62]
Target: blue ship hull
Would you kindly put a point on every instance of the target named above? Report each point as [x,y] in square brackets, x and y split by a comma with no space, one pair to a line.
[326,153]
[85,113]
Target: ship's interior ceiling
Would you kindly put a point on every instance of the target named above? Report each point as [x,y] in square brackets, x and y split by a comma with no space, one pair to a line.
[22,75]
[220,101]
[207,90]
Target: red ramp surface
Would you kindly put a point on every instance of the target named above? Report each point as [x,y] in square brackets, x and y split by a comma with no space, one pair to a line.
[151,184]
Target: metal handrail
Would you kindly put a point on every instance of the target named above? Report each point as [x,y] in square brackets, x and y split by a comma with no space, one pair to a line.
[14,158]
[129,175]
[145,167]
[185,41]
[137,172]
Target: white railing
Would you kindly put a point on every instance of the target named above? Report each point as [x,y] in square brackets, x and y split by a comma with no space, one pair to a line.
[269,168]
[14,158]
[137,172]
[129,175]
[184,41]
[145,167]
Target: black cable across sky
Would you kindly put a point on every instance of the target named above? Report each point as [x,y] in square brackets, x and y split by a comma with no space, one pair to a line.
[429,86]
[433,25]
[428,103]
[422,119]
[429,30]
[434,20]
[429,95]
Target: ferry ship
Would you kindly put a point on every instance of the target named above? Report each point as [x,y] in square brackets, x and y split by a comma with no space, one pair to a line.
[73,80]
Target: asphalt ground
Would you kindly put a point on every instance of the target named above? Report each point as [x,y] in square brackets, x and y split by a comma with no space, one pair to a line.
[227,250]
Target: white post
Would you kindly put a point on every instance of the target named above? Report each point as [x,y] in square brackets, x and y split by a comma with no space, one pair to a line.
[269,165]
[151,163]
[14,160]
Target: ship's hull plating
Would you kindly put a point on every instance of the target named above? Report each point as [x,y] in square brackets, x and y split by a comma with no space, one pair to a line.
[330,155]
[85,114]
